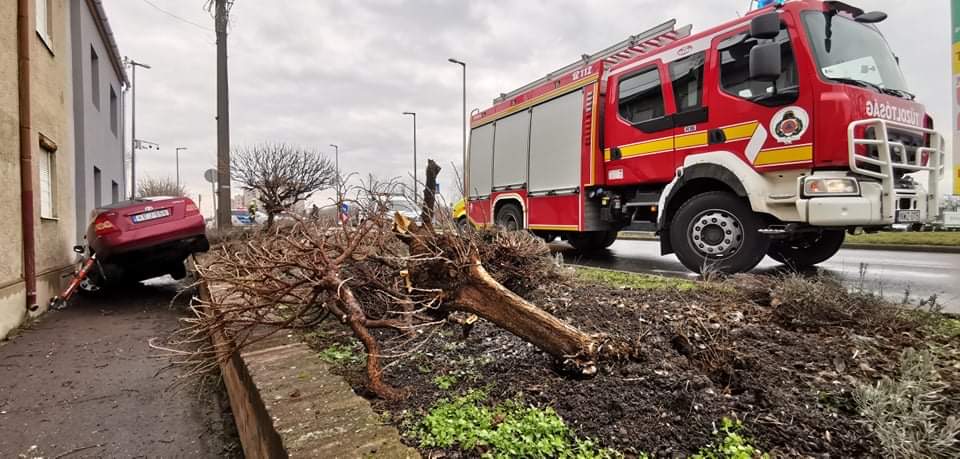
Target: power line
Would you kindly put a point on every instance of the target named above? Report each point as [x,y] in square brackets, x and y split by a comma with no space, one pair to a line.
[148,2]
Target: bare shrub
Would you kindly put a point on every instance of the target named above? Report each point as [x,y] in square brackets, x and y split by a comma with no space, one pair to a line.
[901,411]
[150,187]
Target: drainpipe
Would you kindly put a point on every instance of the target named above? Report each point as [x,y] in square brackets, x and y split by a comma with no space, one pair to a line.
[26,156]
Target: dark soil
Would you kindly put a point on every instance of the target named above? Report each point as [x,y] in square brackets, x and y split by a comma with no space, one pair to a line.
[744,349]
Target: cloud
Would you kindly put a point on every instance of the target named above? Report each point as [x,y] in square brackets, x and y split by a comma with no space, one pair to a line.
[343,71]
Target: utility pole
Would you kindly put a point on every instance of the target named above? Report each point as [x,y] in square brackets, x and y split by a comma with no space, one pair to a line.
[133,124]
[178,164]
[466,180]
[336,156]
[416,191]
[223,116]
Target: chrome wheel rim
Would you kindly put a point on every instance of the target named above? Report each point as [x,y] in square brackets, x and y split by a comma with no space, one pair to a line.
[716,233]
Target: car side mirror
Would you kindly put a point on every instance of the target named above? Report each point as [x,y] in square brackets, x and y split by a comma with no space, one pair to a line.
[765,26]
[766,63]
[78,249]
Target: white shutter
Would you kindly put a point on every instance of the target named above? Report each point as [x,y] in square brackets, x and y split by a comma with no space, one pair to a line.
[41,18]
[46,184]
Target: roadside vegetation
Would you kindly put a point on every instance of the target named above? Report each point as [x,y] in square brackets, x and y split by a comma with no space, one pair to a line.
[938,238]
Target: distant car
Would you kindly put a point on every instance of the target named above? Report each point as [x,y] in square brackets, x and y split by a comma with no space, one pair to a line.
[242,217]
[403,206]
[144,238]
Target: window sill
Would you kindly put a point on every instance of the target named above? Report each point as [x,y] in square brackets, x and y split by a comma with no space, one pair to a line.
[49,219]
[47,42]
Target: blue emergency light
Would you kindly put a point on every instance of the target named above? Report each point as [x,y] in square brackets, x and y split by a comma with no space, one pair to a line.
[766,3]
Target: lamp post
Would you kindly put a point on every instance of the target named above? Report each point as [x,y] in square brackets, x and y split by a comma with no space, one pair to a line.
[415,191]
[466,180]
[178,164]
[336,156]
[133,124]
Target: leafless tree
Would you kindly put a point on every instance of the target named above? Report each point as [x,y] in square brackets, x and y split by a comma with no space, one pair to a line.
[281,174]
[166,186]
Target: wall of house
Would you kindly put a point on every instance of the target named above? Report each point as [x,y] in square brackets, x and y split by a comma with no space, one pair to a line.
[52,115]
[99,136]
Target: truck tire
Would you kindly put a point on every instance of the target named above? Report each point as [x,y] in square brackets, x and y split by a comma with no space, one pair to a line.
[593,240]
[717,231]
[510,217]
[807,249]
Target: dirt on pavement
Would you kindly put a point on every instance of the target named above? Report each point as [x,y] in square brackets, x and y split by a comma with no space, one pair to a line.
[85,382]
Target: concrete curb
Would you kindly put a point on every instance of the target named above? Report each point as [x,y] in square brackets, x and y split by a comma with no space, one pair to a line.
[286,403]
[643,236]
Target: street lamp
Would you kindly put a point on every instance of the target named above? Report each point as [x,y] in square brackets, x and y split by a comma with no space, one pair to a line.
[178,164]
[466,181]
[133,124]
[415,191]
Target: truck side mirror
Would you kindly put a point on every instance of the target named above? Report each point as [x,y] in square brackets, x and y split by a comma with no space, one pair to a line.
[765,26]
[766,63]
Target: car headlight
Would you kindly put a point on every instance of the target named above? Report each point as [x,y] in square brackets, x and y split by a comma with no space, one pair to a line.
[831,186]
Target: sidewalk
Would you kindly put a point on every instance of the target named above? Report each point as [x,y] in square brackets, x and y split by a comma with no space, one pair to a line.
[84,382]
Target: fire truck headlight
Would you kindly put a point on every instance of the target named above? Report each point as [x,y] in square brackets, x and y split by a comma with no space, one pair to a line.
[831,186]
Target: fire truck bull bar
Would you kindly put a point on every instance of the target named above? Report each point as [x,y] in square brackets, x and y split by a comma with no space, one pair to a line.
[928,158]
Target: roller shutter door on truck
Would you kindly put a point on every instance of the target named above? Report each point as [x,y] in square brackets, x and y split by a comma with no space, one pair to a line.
[481,161]
[512,139]
[556,132]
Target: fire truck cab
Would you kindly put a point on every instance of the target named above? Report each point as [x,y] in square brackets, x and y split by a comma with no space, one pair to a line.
[772,134]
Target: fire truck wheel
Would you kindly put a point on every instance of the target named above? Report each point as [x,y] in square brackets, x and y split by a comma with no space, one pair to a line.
[463,225]
[807,249]
[510,218]
[717,231]
[594,240]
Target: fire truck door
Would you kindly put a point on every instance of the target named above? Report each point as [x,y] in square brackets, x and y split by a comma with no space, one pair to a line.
[639,129]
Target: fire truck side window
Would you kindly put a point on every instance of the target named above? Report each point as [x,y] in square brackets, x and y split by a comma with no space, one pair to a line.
[641,96]
[735,73]
[687,77]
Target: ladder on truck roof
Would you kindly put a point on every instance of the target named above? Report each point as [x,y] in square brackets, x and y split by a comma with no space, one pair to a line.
[633,46]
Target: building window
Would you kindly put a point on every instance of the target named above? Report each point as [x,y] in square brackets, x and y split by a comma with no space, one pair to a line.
[44,23]
[113,110]
[687,77]
[95,77]
[48,181]
[97,187]
[114,192]
[641,96]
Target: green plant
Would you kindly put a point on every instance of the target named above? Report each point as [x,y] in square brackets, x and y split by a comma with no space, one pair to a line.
[730,444]
[446,381]
[341,354]
[508,430]
[901,412]
[622,279]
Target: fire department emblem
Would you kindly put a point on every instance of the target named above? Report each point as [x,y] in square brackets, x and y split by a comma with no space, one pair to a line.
[789,124]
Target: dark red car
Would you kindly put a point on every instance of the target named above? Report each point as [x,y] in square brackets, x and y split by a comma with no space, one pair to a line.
[145,238]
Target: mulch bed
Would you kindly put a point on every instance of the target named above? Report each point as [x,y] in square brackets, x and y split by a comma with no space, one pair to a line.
[727,350]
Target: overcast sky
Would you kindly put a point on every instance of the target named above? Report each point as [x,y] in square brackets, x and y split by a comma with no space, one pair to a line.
[342,71]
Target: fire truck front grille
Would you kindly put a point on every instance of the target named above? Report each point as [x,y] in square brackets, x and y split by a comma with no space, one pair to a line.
[908,154]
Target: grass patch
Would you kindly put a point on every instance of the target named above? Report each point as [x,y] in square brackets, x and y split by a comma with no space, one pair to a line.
[637,281]
[730,444]
[507,430]
[940,238]
[341,354]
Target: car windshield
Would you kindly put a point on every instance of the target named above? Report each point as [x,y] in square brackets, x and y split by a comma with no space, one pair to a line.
[854,53]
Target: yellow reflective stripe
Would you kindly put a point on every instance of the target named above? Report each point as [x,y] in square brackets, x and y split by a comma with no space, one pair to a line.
[554,227]
[784,155]
[569,87]
[649,147]
[696,139]
[740,131]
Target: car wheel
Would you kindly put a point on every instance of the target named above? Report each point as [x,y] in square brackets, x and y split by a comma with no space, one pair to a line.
[717,231]
[807,249]
[178,271]
[510,218]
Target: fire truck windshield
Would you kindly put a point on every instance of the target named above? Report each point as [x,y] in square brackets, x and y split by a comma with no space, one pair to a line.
[853,53]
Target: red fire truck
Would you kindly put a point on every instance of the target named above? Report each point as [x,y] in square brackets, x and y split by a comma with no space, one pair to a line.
[773,134]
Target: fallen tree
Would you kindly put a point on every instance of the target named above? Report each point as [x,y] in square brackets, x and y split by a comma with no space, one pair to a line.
[387,273]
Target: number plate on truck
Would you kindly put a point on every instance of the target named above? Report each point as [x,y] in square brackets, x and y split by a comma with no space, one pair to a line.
[908,216]
[140,218]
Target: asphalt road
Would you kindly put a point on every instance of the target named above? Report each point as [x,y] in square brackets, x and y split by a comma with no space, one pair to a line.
[891,273]
[85,382]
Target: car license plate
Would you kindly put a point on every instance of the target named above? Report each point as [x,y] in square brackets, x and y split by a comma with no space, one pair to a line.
[153,215]
[908,216]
